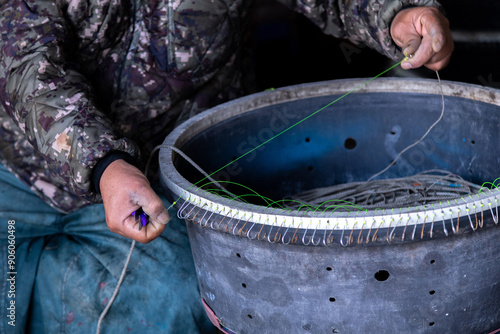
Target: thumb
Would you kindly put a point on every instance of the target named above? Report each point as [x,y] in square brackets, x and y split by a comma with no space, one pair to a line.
[419,56]
[153,206]
[411,45]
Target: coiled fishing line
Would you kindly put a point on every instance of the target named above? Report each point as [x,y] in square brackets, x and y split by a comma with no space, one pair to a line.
[424,188]
[421,189]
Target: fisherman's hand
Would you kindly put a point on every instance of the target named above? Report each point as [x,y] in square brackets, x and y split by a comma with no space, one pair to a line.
[124,189]
[424,33]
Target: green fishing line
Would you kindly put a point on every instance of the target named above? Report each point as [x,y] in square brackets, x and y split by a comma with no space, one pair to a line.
[293,125]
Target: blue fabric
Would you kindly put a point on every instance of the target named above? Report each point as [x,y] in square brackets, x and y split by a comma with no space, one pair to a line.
[68,266]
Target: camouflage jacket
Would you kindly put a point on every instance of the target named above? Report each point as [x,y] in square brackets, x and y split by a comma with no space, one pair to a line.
[80,79]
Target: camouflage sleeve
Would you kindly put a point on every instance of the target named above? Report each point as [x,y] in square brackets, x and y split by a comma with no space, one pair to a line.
[49,101]
[361,21]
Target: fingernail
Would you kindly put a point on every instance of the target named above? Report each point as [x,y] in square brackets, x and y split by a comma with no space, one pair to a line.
[437,45]
[163,218]
[406,65]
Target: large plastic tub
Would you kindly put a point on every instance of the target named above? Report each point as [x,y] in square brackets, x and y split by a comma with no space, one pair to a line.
[262,269]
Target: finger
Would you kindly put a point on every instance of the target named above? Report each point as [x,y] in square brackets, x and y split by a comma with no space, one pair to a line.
[441,41]
[434,27]
[148,233]
[406,37]
[425,55]
[153,229]
[436,66]
[153,206]
[411,45]
[409,49]
[126,227]
[421,56]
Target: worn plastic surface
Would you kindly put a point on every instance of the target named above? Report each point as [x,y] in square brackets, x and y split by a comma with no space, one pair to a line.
[449,285]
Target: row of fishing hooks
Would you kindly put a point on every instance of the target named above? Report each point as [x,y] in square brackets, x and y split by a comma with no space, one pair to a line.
[362,232]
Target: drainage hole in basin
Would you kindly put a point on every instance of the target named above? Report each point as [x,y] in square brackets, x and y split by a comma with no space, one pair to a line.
[332,299]
[350,143]
[328,268]
[243,285]
[308,140]
[250,316]
[238,254]
[432,292]
[432,323]
[432,261]
[382,275]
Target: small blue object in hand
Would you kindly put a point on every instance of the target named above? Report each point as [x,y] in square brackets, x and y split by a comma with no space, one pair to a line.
[140,217]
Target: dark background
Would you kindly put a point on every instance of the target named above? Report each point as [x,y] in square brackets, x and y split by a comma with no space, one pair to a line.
[288,49]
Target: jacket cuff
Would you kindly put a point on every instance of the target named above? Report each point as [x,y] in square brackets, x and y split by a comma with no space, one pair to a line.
[104,162]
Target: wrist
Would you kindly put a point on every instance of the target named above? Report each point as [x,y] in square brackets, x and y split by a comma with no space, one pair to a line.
[104,162]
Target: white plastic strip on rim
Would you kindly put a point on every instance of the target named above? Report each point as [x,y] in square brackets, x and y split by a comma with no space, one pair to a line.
[472,208]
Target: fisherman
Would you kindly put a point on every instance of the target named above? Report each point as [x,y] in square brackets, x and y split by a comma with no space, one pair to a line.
[88,89]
